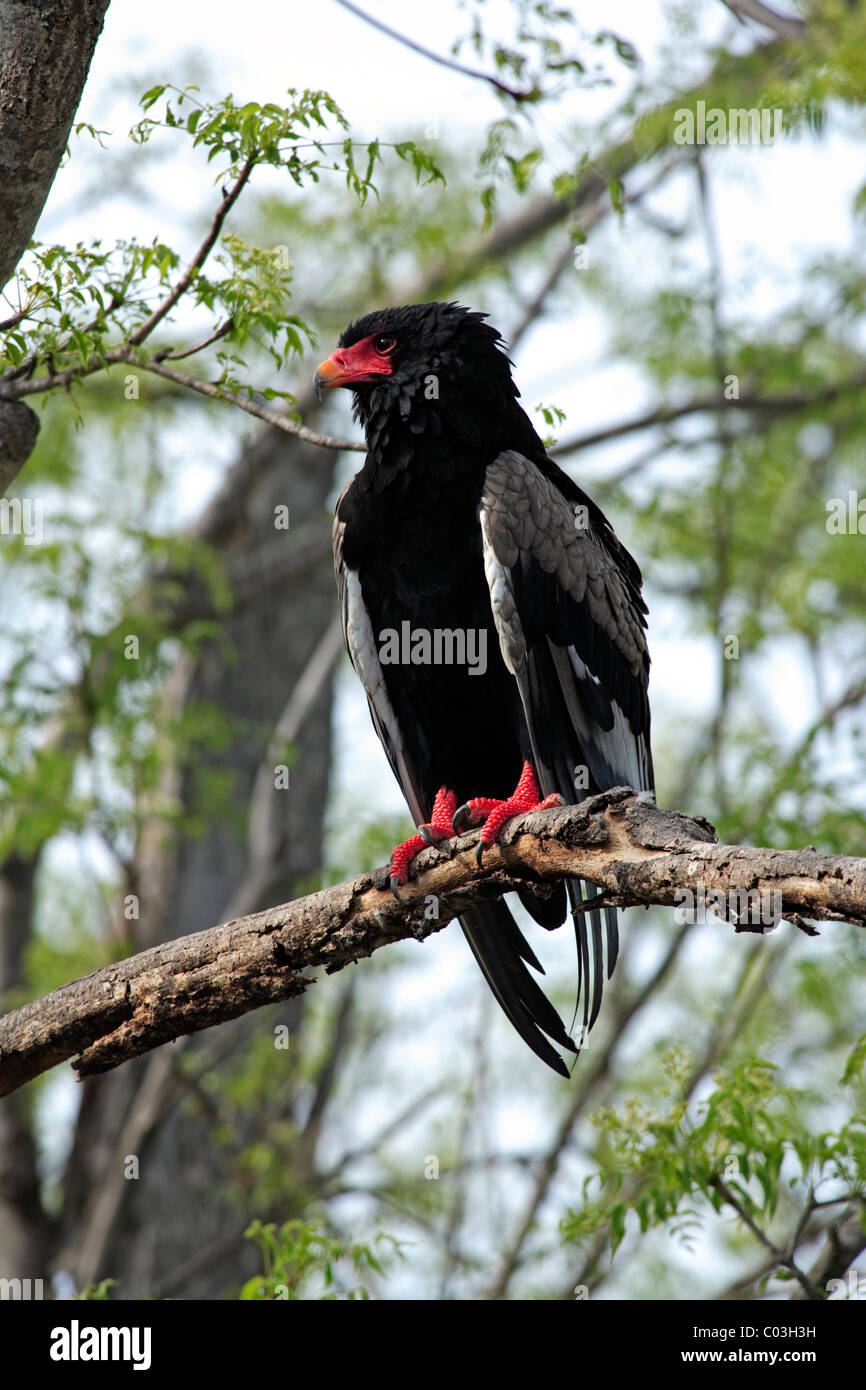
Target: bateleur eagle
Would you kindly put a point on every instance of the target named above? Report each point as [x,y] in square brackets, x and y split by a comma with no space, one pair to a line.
[460,524]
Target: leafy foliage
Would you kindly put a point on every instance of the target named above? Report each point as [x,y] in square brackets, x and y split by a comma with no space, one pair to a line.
[749,1147]
[81,309]
[300,1256]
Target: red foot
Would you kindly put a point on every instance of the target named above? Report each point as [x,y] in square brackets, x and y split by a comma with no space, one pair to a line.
[526,797]
[437,828]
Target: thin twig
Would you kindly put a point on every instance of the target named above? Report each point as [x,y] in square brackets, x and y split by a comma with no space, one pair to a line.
[167,356]
[182,285]
[787,26]
[594,214]
[261,412]
[787,1261]
[663,415]
[443,62]
[214,392]
[13,322]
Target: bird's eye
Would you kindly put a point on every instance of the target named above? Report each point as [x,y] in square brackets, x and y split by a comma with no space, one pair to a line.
[383,342]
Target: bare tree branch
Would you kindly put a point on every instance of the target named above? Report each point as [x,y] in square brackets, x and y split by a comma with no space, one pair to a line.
[787,26]
[164,355]
[105,1204]
[845,1242]
[594,214]
[179,289]
[783,1258]
[442,61]
[281,420]
[636,853]
[778,406]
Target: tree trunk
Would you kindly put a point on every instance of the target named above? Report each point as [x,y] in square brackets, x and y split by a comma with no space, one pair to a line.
[172,1229]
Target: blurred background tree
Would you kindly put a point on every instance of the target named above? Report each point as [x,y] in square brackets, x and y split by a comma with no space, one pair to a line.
[710,1142]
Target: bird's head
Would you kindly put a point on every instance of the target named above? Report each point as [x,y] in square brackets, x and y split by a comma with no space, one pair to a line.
[411,357]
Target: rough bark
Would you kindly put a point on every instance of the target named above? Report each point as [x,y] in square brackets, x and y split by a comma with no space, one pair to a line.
[25,1228]
[635,852]
[19,426]
[45,57]
[45,54]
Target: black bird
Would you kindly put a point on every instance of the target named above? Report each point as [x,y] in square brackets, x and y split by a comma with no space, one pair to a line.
[494,619]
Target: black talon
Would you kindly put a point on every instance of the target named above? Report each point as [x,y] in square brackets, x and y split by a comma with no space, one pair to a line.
[479,852]
[424,832]
[394,884]
[462,819]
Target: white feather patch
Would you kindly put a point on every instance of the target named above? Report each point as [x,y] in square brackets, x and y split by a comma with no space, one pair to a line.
[512,642]
[365,658]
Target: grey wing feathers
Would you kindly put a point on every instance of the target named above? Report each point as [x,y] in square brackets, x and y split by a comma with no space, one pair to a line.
[562,598]
[570,619]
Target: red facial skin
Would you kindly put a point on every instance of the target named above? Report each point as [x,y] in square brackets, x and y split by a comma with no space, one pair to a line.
[364,361]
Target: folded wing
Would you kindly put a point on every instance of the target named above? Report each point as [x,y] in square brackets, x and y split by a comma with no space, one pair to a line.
[570,618]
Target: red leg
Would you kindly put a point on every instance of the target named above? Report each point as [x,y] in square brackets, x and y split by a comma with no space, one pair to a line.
[437,828]
[494,814]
